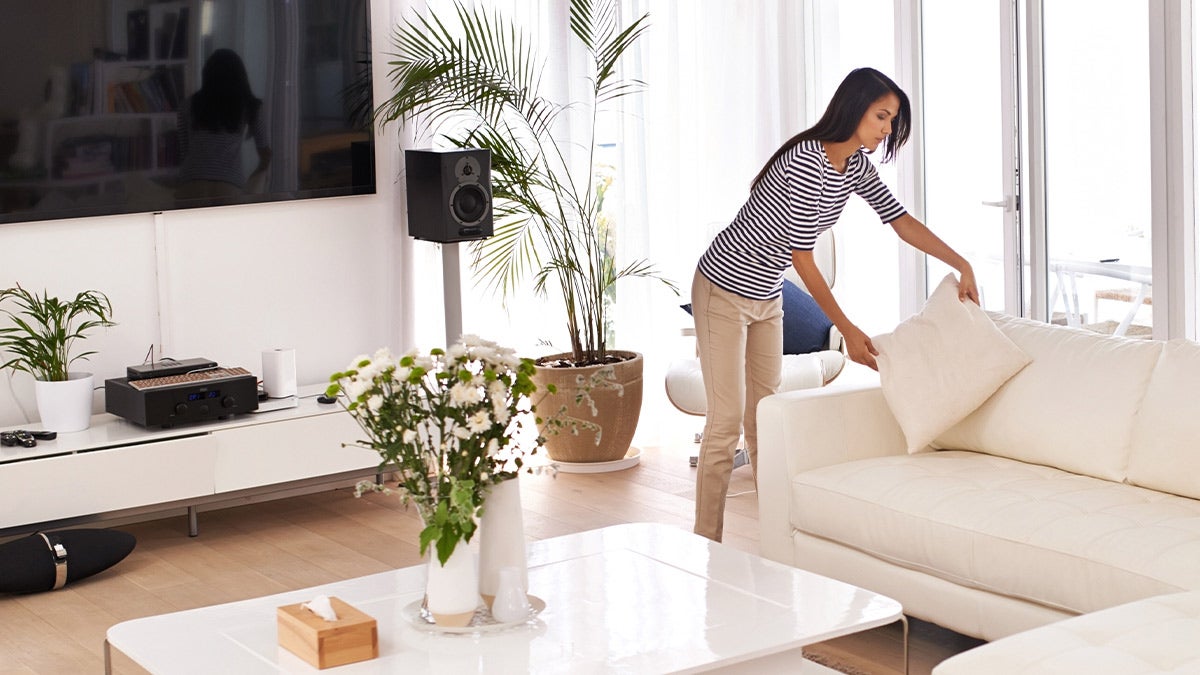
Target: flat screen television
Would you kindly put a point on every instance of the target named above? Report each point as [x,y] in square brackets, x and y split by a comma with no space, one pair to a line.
[128,106]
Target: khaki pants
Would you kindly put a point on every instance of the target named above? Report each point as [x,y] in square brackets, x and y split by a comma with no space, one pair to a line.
[741,357]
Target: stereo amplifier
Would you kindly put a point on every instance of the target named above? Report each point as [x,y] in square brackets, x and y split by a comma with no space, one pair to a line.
[210,394]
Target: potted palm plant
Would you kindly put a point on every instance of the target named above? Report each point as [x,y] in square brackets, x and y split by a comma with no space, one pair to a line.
[40,342]
[473,80]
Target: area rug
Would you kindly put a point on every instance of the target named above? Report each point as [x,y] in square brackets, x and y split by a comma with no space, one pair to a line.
[816,655]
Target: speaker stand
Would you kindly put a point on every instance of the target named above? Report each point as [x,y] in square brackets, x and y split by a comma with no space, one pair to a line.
[452,292]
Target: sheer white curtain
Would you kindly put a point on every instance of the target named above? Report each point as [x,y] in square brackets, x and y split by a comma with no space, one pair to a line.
[533,325]
[726,85]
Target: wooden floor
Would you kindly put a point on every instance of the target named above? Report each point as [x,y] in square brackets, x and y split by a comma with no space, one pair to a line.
[303,541]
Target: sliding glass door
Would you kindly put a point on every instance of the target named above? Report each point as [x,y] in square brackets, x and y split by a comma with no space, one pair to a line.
[1037,158]
[1096,82]
[969,196]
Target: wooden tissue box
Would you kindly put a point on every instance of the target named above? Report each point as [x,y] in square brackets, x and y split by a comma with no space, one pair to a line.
[324,644]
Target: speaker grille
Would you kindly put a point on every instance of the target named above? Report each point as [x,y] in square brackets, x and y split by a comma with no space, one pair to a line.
[469,203]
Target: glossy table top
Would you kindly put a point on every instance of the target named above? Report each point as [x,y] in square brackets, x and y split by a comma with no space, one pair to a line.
[642,598]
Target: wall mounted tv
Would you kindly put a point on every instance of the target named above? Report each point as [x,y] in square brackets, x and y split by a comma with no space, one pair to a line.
[102,109]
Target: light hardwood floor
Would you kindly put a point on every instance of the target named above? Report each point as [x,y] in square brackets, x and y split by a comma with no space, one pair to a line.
[281,545]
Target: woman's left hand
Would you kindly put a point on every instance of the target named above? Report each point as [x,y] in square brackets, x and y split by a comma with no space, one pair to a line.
[966,286]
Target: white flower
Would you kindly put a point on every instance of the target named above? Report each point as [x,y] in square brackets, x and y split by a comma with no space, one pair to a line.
[484,353]
[356,388]
[497,390]
[465,393]
[370,371]
[479,422]
[454,351]
[384,356]
[508,358]
[500,411]
[374,403]
[409,436]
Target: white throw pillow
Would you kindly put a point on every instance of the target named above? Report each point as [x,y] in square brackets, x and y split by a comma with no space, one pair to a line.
[938,366]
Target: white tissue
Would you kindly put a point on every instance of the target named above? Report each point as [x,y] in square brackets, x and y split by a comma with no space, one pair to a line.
[321,606]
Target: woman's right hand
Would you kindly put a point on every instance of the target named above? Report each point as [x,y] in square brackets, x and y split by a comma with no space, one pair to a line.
[859,347]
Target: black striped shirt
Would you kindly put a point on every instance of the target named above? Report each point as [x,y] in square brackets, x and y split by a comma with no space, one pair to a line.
[800,197]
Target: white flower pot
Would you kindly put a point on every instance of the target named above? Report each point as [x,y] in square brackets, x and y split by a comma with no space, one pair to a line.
[501,538]
[65,406]
[452,590]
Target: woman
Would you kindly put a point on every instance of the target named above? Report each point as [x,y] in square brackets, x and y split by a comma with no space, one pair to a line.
[213,123]
[736,292]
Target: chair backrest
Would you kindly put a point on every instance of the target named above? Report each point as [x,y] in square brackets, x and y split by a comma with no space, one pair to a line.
[825,255]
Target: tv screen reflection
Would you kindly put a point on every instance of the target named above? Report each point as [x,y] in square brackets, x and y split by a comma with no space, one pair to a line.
[126,106]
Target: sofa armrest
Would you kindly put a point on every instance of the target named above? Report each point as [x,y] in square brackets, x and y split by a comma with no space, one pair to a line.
[811,428]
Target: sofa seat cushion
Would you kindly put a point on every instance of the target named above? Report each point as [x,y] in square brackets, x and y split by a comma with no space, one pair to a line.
[1067,541]
[1148,636]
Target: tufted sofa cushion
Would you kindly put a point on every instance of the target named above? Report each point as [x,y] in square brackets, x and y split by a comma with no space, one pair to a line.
[1164,454]
[1155,635]
[1027,531]
[1072,407]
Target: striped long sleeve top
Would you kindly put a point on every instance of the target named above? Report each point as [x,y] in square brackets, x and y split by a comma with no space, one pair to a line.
[800,197]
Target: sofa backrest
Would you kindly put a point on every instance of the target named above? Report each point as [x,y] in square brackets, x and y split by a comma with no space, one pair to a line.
[1072,407]
[1165,452]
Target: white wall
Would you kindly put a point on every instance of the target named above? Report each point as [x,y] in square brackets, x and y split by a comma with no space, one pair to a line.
[315,275]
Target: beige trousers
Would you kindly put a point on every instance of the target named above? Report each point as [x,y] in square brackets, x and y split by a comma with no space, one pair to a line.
[741,357]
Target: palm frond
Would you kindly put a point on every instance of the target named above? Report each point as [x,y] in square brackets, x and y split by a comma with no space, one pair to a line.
[474,81]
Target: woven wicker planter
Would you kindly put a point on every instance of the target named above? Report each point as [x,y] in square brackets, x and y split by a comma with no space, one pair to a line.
[617,410]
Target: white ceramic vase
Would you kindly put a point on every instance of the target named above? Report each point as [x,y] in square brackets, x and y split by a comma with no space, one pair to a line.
[65,406]
[452,590]
[501,538]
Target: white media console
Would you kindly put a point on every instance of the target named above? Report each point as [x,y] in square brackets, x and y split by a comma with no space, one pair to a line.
[117,468]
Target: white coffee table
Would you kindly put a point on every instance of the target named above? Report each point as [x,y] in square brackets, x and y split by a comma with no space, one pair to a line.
[638,598]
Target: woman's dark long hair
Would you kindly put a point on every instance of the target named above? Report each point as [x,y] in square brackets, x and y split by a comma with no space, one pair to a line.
[224,101]
[856,93]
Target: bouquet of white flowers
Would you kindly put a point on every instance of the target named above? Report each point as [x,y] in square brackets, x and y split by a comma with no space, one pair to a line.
[450,424]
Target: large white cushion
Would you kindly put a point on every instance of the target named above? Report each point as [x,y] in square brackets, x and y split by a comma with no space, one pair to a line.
[939,365]
[1073,407]
[1165,453]
[1032,532]
[1155,635]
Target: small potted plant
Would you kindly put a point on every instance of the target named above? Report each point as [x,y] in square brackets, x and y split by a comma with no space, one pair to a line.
[40,341]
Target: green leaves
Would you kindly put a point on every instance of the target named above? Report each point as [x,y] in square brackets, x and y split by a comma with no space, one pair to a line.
[452,521]
[45,328]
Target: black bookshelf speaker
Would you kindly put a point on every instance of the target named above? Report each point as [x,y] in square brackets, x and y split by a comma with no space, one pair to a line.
[449,194]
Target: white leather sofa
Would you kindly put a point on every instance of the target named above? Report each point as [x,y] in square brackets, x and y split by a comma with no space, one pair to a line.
[1074,488]
[1155,635]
